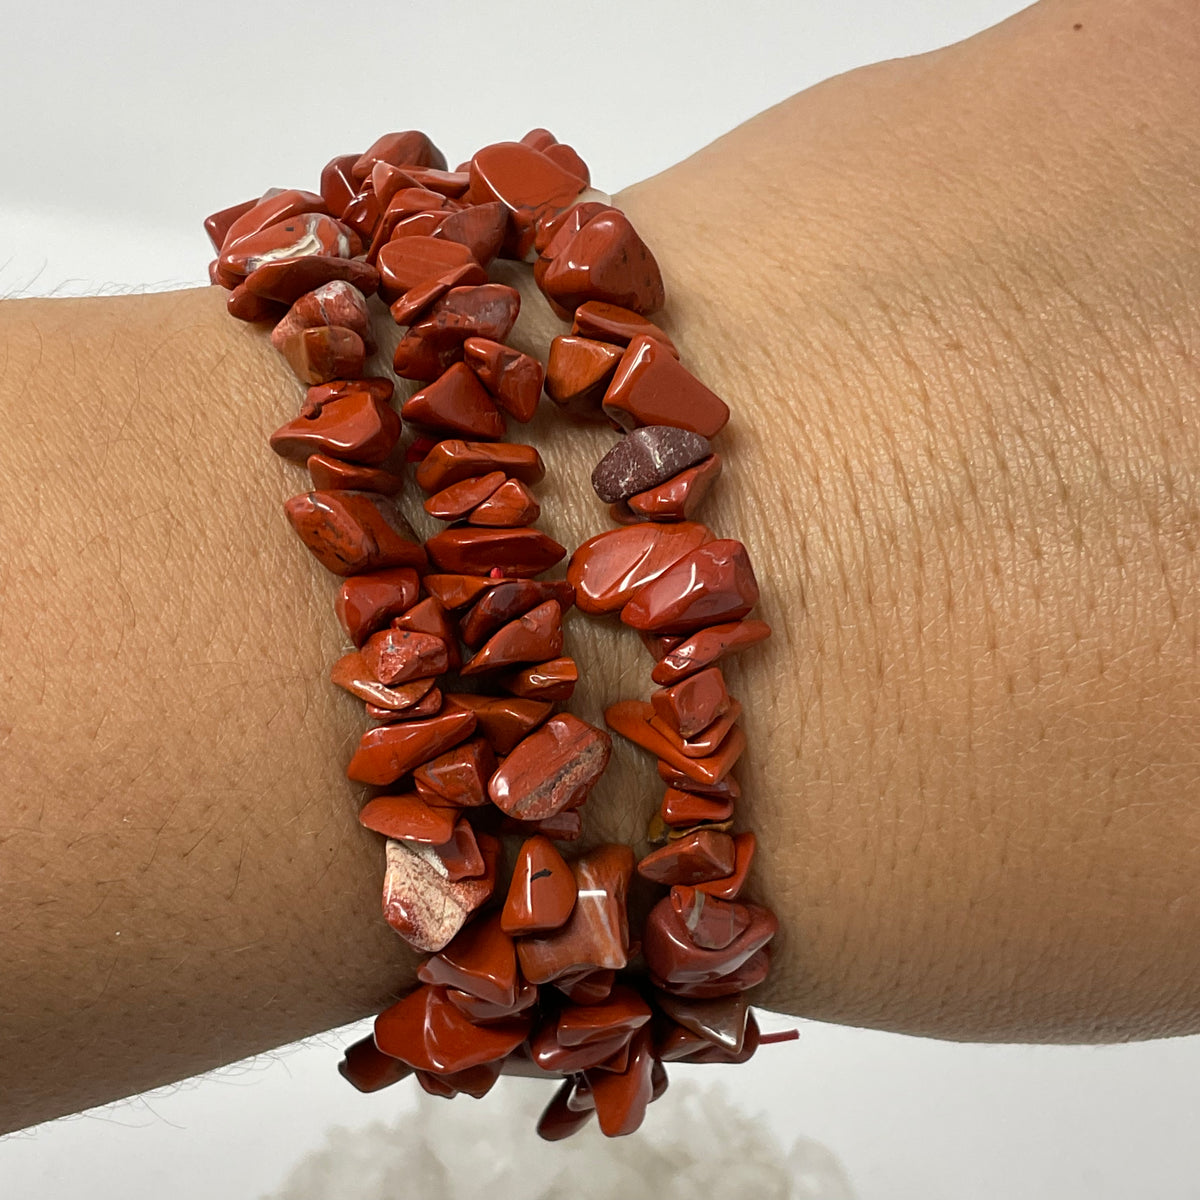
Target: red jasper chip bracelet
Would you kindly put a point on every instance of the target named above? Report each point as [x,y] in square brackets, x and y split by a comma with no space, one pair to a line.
[457,646]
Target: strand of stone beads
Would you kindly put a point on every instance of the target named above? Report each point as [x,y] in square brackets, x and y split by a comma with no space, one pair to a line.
[454,1037]
[568,925]
[689,595]
[456,1030]
[703,947]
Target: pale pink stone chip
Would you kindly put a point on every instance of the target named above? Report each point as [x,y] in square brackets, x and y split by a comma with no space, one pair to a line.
[419,900]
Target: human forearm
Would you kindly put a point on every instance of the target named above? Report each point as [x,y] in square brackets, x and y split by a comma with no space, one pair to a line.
[964,461]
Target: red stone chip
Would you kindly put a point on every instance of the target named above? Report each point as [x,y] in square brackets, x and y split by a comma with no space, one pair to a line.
[398,655]
[456,501]
[411,148]
[410,261]
[429,616]
[387,752]
[526,182]
[714,583]
[426,1031]
[652,387]
[621,1098]
[513,378]
[481,961]
[509,506]
[559,1120]
[366,1067]
[552,680]
[286,281]
[333,475]
[407,817]
[681,496]
[552,769]
[698,650]
[518,552]
[457,591]
[680,809]
[693,704]
[730,887]
[631,719]
[503,720]
[282,206]
[456,403]
[508,599]
[328,352]
[612,323]
[353,532]
[713,923]
[366,603]
[351,672]
[482,228]
[698,856]
[532,637]
[541,894]
[578,372]
[452,460]
[459,776]
[607,569]
[674,958]
[606,260]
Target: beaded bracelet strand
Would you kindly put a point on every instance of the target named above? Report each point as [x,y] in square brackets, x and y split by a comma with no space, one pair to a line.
[539,983]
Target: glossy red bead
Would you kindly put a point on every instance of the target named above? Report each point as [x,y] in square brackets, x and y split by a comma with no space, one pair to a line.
[458,776]
[532,637]
[366,1067]
[714,583]
[541,894]
[612,323]
[652,387]
[453,459]
[351,672]
[698,650]
[407,817]
[389,751]
[366,603]
[513,378]
[397,655]
[578,372]
[681,496]
[631,719]
[693,704]
[551,769]
[425,1030]
[510,505]
[353,532]
[698,856]
[456,403]
[516,552]
[481,961]
[333,475]
[503,720]
[606,260]
[607,569]
[456,501]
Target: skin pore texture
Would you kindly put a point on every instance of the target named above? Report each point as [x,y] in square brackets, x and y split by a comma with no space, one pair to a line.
[951,302]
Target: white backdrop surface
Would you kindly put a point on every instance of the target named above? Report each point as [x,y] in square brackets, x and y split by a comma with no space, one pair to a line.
[123,126]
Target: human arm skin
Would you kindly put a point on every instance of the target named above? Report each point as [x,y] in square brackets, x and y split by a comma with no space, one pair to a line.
[951,302]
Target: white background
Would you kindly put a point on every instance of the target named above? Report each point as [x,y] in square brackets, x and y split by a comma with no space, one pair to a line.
[123,126]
